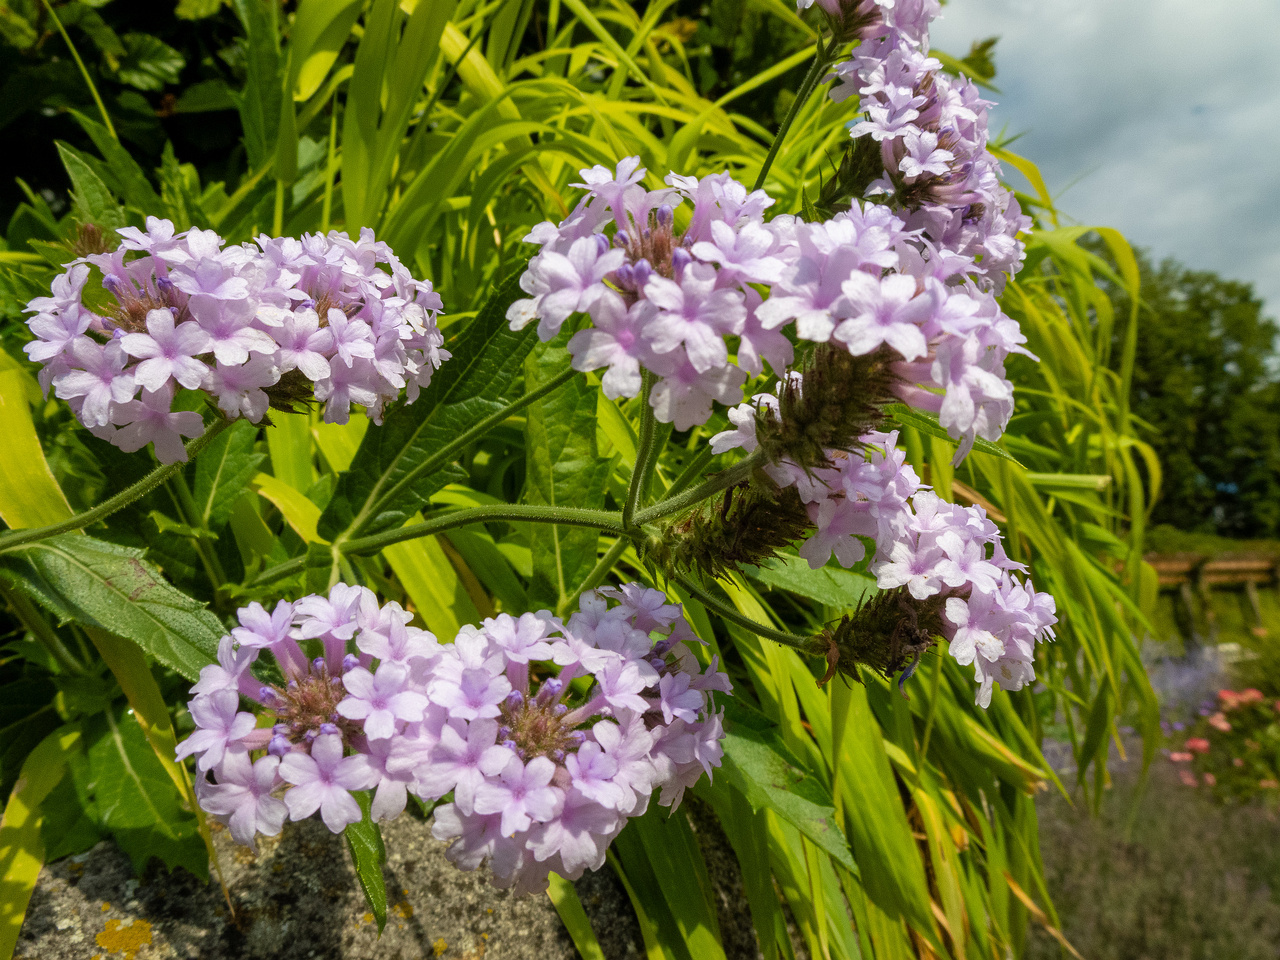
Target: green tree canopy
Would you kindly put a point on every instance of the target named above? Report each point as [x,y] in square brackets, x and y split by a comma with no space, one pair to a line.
[1207,381]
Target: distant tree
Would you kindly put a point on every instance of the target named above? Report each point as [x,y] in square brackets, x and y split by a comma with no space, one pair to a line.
[1207,380]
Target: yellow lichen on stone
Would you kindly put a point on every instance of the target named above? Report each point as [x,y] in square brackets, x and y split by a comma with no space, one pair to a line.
[439,947]
[105,906]
[367,918]
[404,908]
[127,939]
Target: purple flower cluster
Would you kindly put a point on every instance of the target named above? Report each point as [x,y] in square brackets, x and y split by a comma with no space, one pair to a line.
[870,19]
[275,323]
[921,542]
[932,134]
[548,735]
[678,303]
[659,297]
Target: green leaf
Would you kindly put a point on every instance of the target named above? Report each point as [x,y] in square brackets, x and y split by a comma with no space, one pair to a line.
[927,423]
[181,197]
[93,201]
[197,9]
[259,101]
[205,97]
[29,493]
[17,30]
[565,899]
[137,801]
[830,585]
[130,179]
[223,472]
[369,854]
[486,357]
[21,847]
[320,29]
[758,763]
[27,716]
[99,584]
[563,468]
[671,853]
[490,566]
[69,817]
[166,524]
[149,63]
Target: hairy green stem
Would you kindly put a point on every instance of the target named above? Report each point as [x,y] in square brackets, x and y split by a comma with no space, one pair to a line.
[821,60]
[447,453]
[729,613]
[721,481]
[511,512]
[447,520]
[645,457]
[159,475]
[84,72]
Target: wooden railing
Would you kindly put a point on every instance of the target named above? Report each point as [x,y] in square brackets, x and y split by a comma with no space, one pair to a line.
[1193,576]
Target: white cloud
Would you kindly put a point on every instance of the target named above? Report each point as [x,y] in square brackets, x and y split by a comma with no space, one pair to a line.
[1162,117]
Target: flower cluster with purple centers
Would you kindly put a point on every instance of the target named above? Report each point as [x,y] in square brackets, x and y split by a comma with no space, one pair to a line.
[921,542]
[275,323]
[931,129]
[546,735]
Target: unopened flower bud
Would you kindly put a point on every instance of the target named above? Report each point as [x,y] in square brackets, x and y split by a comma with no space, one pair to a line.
[279,746]
[350,662]
[328,728]
[550,691]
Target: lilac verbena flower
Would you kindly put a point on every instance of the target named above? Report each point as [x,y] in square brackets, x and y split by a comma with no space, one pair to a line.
[677,302]
[274,323]
[543,771]
[871,501]
[931,131]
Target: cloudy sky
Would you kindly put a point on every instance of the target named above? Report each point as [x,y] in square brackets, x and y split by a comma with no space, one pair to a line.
[1158,117]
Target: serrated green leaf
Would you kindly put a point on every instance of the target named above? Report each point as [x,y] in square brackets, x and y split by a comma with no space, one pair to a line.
[93,201]
[148,62]
[369,854]
[758,764]
[102,585]
[137,801]
[486,357]
[831,585]
[927,423]
[134,186]
[223,472]
[563,468]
